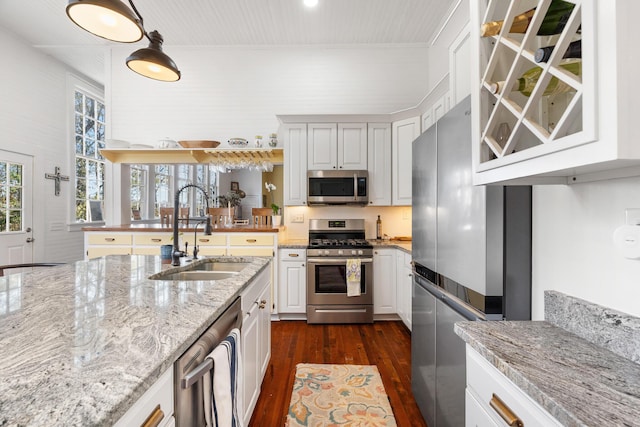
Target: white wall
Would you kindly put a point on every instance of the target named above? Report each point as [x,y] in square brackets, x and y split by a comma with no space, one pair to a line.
[237,92]
[33,119]
[573,245]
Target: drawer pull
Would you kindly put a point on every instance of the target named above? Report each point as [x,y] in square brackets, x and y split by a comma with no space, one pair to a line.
[505,413]
[156,240]
[204,240]
[251,240]
[294,255]
[109,239]
[154,419]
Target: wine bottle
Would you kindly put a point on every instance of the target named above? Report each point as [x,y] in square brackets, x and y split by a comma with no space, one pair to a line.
[528,80]
[553,23]
[573,51]
[378,228]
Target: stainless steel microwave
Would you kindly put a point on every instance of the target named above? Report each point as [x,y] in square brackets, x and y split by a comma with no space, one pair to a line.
[337,187]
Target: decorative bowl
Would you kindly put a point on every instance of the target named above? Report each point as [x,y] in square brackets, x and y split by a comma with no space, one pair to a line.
[240,142]
[198,144]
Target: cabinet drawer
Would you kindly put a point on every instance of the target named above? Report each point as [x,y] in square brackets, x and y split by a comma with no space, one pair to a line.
[296,255]
[213,240]
[146,250]
[474,413]
[159,397]
[109,239]
[485,383]
[251,240]
[211,251]
[110,250]
[250,251]
[152,239]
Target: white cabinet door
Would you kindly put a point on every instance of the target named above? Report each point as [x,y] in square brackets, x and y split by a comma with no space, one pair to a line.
[384,281]
[404,282]
[379,163]
[322,146]
[295,164]
[352,146]
[404,133]
[292,285]
[460,66]
[256,340]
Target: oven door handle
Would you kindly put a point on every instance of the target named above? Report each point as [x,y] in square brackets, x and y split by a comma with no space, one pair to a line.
[337,260]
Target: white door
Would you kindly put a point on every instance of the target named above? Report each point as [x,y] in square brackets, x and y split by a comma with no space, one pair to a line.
[16,191]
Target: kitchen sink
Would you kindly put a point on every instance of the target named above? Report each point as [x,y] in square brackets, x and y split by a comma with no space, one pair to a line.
[203,271]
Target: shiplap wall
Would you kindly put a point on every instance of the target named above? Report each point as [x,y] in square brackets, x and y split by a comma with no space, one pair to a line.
[237,92]
[33,120]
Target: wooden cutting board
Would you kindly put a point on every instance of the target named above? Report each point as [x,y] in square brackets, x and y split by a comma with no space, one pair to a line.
[402,238]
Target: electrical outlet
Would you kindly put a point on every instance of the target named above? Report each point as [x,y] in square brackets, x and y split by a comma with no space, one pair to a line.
[298,218]
[632,216]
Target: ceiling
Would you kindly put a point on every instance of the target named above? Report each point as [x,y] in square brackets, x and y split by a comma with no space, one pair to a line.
[44,25]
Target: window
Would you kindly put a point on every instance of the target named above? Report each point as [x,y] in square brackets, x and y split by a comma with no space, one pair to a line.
[163,188]
[89,129]
[138,191]
[10,197]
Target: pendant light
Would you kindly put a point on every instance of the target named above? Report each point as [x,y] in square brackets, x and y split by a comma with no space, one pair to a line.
[152,62]
[113,20]
[109,19]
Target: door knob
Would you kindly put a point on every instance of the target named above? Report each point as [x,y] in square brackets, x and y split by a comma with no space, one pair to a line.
[30,239]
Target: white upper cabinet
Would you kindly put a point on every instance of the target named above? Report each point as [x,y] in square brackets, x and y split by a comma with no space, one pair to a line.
[459,68]
[379,163]
[337,146]
[576,120]
[295,163]
[404,132]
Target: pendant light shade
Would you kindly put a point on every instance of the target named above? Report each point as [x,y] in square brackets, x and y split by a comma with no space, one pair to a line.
[152,62]
[109,19]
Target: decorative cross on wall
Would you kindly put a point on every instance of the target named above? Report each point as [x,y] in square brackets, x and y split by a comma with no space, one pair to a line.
[57,177]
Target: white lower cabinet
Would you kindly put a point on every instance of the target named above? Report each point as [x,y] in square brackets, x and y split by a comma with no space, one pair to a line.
[404,283]
[292,283]
[384,281]
[155,404]
[256,340]
[492,399]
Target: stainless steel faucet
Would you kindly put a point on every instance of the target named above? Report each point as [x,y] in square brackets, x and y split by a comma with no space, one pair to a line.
[176,254]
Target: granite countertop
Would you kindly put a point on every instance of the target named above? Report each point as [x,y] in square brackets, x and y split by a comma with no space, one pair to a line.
[578,382]
[80,343]
[249,228]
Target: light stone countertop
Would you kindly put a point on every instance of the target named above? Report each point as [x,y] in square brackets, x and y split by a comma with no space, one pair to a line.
[578,382]
[80,343]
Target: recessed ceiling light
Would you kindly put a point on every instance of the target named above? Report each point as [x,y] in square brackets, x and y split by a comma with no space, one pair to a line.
[311,3]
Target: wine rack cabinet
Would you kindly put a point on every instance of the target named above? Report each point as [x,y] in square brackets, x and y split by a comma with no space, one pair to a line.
[542,138]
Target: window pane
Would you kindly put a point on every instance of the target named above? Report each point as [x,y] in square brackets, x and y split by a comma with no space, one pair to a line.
[15,220]
[91,147]
[100,113]
[3,196]
[3,221]
[81,166]
[78,124]
[100,132]
[81,210]
[3,172]
[81,189]
[79,148]
[78,103]
[89,128]
[15,197]
[90,107]
[15,175]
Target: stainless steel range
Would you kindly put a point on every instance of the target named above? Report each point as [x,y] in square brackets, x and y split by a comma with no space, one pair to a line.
[332,244]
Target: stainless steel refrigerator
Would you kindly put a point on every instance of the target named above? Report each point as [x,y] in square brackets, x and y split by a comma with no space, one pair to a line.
[471,251]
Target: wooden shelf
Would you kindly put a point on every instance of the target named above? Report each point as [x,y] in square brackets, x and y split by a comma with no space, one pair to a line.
[201,155]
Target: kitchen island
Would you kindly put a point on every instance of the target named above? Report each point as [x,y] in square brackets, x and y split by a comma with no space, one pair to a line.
[80,343]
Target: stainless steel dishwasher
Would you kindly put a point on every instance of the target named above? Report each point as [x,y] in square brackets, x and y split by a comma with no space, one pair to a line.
[191,366]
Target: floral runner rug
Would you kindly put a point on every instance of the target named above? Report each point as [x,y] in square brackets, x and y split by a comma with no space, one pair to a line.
[339,395]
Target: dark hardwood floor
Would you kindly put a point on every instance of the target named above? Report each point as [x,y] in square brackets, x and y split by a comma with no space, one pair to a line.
[384,344]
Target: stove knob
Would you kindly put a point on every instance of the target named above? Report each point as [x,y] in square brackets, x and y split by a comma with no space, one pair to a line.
[353,252]
[340,252]
[326,251]
[360,252]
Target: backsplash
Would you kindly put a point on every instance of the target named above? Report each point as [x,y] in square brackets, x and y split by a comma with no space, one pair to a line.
[611,329]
